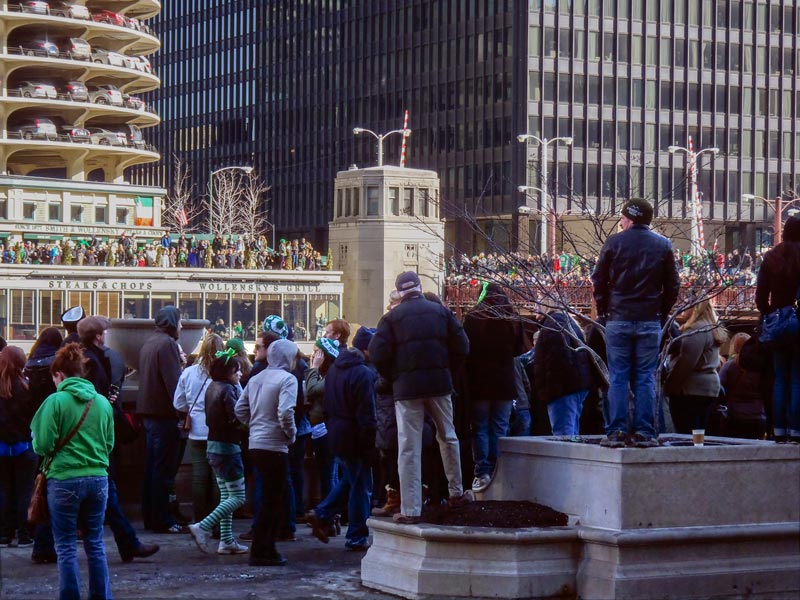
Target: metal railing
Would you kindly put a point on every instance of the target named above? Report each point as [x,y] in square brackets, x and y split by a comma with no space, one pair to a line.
[21,50]
[64,14]
[732,299]
[64,138]
[146,108]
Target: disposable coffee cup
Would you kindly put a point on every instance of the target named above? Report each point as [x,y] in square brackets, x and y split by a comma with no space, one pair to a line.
[698,437]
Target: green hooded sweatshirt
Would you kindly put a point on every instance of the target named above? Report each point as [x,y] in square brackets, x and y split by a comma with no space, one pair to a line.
[86,454]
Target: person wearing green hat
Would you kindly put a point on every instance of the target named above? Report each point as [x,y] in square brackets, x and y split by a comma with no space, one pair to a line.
[325,352]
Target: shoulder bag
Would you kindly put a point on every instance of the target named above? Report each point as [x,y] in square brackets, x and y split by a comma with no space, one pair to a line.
[186,426]
[781,327]
[38,513]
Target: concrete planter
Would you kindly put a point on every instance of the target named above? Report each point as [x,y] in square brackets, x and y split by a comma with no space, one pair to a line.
[432,561]
[721,521]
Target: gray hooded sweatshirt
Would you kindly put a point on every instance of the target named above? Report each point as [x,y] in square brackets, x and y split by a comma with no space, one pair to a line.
[267,402]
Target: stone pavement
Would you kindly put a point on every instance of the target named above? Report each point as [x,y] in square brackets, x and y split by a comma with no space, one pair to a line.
[180,570]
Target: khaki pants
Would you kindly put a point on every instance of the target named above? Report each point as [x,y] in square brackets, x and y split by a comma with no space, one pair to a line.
[410,418]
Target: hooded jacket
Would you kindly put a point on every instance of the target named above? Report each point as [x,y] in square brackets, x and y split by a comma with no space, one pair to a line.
[495,338]
[267,403]
[86,454]
[159,370]
[37,370]
[350,406]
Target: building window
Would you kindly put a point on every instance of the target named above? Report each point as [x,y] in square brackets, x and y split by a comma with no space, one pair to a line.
[394,200]
[422,202]
[29,211]
[122,216]
[3,208]
[76,214]
[100,214]
[373,201]
[54,212]
[356,202]
[339,212]
[408,201]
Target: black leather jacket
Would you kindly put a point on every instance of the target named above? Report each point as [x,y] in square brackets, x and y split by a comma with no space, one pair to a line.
[635,278]
[223,426]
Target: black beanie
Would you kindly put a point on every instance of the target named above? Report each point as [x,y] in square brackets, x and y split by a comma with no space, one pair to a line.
[791,229]
[639,211]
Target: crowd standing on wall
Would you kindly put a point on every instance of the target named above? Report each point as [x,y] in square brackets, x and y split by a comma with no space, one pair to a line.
[221,252]
[395,420]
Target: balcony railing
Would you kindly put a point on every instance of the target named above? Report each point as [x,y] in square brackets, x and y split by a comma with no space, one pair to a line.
[732,299]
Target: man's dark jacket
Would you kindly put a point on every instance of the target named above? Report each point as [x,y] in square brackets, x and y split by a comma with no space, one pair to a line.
[635,278]
[159,371]
[414,346]
[350,406]
[98,368]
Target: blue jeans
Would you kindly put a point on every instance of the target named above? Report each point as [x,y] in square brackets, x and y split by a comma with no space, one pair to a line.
[520,423]
[161,437]
[79,503]
[326,465]
[786,391]
[565,413]
[489,423]
[356,482]
[632,348]
[124,533]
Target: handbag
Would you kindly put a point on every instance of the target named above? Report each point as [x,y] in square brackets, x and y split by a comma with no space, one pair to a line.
[38,513]
[187,419]
[781,327]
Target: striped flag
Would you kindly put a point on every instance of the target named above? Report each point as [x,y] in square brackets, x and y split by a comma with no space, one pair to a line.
[144,211]
[180,217]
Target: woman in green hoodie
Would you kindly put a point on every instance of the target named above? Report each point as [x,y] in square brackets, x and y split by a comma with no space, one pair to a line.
[77,480]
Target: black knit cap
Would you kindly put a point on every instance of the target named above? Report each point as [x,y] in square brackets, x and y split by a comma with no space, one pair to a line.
[639,211]
[791,229]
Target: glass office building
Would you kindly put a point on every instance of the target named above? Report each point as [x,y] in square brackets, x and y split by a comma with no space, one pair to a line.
[281,85]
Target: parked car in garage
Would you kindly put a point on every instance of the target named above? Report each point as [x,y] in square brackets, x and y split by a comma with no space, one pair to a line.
[110,17]
[78,135]
[36,48]
[37,8]
[107,137]
[69,10]
[76,48]
[39,128]
[133,102]
[134,136]
[73,90]
[105,94]
[107,57]
[144,64]
[33,89]
[130,62]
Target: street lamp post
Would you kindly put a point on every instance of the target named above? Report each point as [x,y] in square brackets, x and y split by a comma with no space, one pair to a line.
[548,219]
[246,170]
[695,207]
[777,206]
[544,143]
[380,137]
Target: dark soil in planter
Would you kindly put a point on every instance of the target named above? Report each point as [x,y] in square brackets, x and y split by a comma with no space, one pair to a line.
[495,513]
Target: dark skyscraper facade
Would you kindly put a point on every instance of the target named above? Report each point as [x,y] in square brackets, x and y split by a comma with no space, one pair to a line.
[280,85]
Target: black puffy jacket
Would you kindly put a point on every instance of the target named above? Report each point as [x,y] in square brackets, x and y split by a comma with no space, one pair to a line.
[559,368]
[414,346]
[635,278]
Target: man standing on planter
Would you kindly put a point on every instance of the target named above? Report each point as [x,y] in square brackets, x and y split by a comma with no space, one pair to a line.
[635,285]
[413,348]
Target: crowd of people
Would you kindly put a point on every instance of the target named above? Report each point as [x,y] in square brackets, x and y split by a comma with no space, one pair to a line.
[395,418]
[737,267]
[222,252]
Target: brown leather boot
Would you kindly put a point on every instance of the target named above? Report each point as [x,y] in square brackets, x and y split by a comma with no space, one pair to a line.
[392,505]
